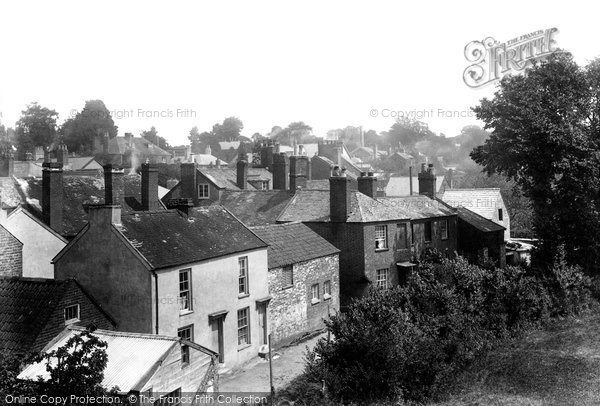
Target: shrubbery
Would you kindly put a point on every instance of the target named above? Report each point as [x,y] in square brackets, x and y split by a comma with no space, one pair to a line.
[408,342]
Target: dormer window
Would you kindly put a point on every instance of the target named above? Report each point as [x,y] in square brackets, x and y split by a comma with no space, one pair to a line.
[72,314]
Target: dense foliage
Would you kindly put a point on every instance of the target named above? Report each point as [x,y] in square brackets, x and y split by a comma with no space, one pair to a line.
[77,368]
[407,343]
[546,138]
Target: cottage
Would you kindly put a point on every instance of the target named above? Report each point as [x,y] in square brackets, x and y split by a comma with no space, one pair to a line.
[379,238]
[480,239]
[200,273]
[35,310]
[207,185]
[129,151]
[486,202]
[144,363]
[303,280]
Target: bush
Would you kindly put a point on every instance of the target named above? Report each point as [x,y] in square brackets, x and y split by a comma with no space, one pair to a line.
[406,344]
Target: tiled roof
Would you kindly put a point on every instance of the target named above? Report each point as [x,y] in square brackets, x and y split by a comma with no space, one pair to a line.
[317,184]
[119,145]
[400,185]
[87,162]
[481,201]
[11,193]
[226,178]
[293,243]
[131,357]
[313,206]
[26,305]
[477,221]
[170,238]
[82,190]
[256,207]
[207,159]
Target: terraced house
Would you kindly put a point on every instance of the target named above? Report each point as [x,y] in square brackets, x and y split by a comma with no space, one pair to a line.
[200,274]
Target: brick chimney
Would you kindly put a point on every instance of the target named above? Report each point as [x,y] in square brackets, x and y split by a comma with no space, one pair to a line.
[52,195]
[150,199]
[188,181]
[113,185]
[427,181]
[367,184]
[62,154]
[129,140]
[339,196]
[242,172]
[280,171]
[299,171]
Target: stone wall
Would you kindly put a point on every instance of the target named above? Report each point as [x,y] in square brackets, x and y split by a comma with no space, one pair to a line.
[291,312]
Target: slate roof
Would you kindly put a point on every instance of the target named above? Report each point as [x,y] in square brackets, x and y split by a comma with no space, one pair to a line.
[482,201]
[226,178]
[119,145]
[131,357]
[478,221]
[26,305]
[170,238]
[80,191]
[293,243]
[313,206]
[256,207]
[207,159]
[400,185]
[86,162]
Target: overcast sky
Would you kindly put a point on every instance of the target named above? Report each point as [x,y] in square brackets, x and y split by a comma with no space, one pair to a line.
[326,63]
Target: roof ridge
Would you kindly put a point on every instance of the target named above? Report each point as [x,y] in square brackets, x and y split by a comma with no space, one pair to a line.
[117,333]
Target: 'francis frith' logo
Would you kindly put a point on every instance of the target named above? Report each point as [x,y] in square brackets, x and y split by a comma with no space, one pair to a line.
[490,59]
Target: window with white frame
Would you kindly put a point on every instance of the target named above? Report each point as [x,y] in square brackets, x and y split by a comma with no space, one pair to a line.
[186,333]
[265,185]
[382,278]
[381,237]
[327,290]
[444,229]
[72,313]
[203,192]
[243,326]
[315,294]
[288,276]
[185,290]
[243,277]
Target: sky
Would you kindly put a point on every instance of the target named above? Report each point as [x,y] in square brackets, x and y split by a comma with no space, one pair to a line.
[331,64]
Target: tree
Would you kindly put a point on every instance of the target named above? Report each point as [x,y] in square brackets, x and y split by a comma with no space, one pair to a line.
[36,127]
[152,136]
[545,136]
[79,133]
[76,368]
[407,132]
[295,132]
[229,130]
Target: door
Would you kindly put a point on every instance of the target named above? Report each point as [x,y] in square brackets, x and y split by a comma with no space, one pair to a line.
[262,323]
[217,337]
